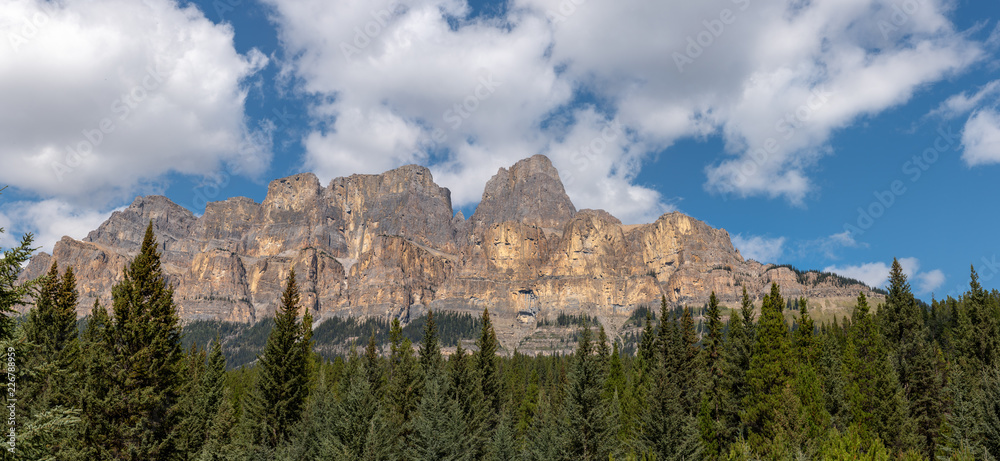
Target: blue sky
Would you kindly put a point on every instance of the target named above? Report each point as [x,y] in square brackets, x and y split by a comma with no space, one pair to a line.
[825,134]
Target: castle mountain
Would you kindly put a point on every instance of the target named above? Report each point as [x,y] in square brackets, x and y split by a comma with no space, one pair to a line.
[390,244]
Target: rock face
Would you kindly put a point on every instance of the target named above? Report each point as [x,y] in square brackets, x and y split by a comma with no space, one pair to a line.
[390,244]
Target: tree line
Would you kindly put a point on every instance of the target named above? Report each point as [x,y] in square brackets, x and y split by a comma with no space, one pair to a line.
[894,381]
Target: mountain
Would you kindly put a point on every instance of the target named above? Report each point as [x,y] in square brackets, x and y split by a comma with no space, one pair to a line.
[391,245]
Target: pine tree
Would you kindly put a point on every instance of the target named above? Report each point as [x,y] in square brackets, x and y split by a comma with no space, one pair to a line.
[186,439]
[686,367]
[488,370]
[984,320]
[711,423]
[51,335]
[143,340]
[503,445]
[373,369]
[201,401]
[464,388]
[925,394]
[990,426]
[439,428]
[97,438]
[590,433]
[830,366]
[668,432]
[217,407]
[805,347]
[404,381]
[547,437]
[770,371]
[279,397]
[738,352]
[13,293]
[873,391]
[430,348]
[647,350]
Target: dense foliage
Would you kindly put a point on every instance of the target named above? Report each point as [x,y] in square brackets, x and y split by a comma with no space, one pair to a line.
[900,380]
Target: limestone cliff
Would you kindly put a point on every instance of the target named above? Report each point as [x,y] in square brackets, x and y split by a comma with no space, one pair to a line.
[390,244]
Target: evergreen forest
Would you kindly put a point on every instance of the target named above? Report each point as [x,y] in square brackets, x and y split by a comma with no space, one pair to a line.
[897,380]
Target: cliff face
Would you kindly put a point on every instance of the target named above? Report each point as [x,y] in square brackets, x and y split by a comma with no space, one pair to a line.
[390,244]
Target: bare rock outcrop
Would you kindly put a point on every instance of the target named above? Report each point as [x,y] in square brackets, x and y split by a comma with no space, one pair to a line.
[391,245]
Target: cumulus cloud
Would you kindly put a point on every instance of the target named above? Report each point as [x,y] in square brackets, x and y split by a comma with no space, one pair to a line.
[876,274]
[49,220]
[963,103]
[774,78]
[761,249]
[101,97]
[981,138]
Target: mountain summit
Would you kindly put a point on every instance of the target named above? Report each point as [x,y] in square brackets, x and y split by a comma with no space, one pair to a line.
[391,245]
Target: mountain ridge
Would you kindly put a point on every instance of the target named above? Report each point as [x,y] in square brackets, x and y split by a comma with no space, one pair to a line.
[390,244]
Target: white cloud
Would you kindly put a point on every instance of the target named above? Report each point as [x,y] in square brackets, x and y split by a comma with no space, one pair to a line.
[876,274]
[981,138]
[103,97]
[49,220]
[780,77]
[872,274]
[963,103]
[761,249]
[929,281]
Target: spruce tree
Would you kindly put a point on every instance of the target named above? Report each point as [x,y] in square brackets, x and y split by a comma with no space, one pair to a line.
[990,426]
[547,437]
[805,347]
[372,367]
[984,321]
[647,351]
[873,391]
[686,367]
[738,352]
[13,293]
[97,438]
[770,371]
[430,348]
[51,335]
[439,428]
[487,366]
[711,423]
[201,401]
[404,382]
[590,433]
[279,397]
[143,340]
[925,394]
[464,389]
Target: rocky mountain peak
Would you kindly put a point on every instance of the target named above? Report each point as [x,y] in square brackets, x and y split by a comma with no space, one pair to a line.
[169,218]
[390,244]
[529,192]
[293,193]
